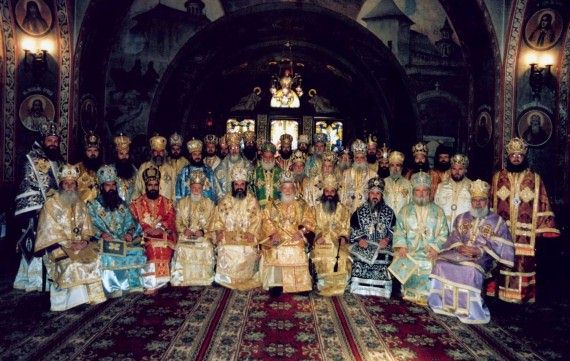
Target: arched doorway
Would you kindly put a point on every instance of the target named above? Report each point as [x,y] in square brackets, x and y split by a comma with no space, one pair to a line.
[337,57]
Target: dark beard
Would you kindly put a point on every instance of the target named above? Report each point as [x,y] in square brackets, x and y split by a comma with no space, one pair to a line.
[383,172]
[111,199]
[376,207]
[442,167]
[517,168]
[125,169]
[239,193]
[330,203]
[175,157]
[158,160]
[457,178]
[153,194]
[53,154]
[197,164]
[371,158]
[92,164]
[420,167]
[285,155]
[250,153]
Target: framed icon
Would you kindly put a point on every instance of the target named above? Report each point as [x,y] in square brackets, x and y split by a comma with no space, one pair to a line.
[35,110]
[535,126]
[543,29]
[483,128]
[34,17]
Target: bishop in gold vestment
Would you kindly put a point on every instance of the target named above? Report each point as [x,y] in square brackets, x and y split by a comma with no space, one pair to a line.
[167,172]
[194,259]
[330,253]
[92,160]
[355,178]
[284,262]
[235,222]
[71,260]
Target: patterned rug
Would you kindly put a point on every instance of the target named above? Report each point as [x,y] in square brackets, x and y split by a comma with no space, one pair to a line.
[219,324]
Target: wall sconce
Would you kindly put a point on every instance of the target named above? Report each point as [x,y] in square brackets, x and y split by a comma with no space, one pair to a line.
[540,73]
[35,55]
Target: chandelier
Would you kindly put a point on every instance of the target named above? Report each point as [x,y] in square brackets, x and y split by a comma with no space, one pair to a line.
[286,86]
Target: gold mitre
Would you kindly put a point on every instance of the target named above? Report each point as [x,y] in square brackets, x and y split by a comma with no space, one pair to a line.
[479,189]
[122,143]
[516,145]
[298,157]
[460,159]
[358,146]
[286,139]
[68,172]
[197,177]
[384,152]
[211,139]
[249,136]
[421,179]
[329,156]
[194,145]
[92,140]
[372,140]
[157,142]
[396,157]
[376,183]
[303,138]
[287,177]
[176,139]
[151,173]
[239,174]
[232,139]
[330,182]
[420,148]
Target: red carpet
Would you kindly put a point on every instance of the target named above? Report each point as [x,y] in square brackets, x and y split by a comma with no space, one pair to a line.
[219,324]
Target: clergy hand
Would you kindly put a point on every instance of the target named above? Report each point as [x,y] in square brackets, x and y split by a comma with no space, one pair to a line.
[77,246]
[154,232]
[342,240]
[128,237]
[401,252]
[188,233]
[362,243]
[275,239]
[469,251]
[320,240]
[248,237]
[219,235]
[107,237]
[383,243]
[432,253]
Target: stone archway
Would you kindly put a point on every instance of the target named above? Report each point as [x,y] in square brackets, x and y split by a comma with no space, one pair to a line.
[344,61]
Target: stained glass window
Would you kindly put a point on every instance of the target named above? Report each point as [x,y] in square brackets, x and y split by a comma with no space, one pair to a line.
[234,125]
[333,130]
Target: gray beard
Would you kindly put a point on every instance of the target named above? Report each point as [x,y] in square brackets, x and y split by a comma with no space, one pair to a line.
[395,175]
[329,206]
[479,212]
[421,201]
[234,158]
[195,197]
[69,198]
[267,166]
[344,166]
[287,199]
[360,167]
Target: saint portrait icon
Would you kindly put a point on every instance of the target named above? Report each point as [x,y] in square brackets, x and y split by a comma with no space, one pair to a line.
[543,29]
[535,127]
[33,16]
[36,110]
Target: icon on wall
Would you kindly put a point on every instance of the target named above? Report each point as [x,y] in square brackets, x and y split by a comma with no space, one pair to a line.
[483,128]
[33,16]
[543,29]
[535,126]
[36,110]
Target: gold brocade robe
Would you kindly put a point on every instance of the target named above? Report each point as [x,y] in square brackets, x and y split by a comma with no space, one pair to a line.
[397,193]
[331,226]
[58,227]
[212,161]
[237,260]
[194,257]
[178,164]
[167,181]
[86,183]
[286,264]
[521,199]
[284,164]
[454,198]
[353,191]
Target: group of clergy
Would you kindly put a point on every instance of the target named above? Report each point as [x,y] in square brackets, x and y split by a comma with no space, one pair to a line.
[242,214]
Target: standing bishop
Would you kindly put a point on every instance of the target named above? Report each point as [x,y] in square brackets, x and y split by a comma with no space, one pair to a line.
[355,178]
[211,185]
[126,170]
[167,172]
[176,157]
[266,176]
[398,190]
[211,159]
[452,195]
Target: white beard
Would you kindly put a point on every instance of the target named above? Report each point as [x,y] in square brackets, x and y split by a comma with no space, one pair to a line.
[360,167]
[267,166]
[195,197]
[287,199]
[69,198]
[479,212]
